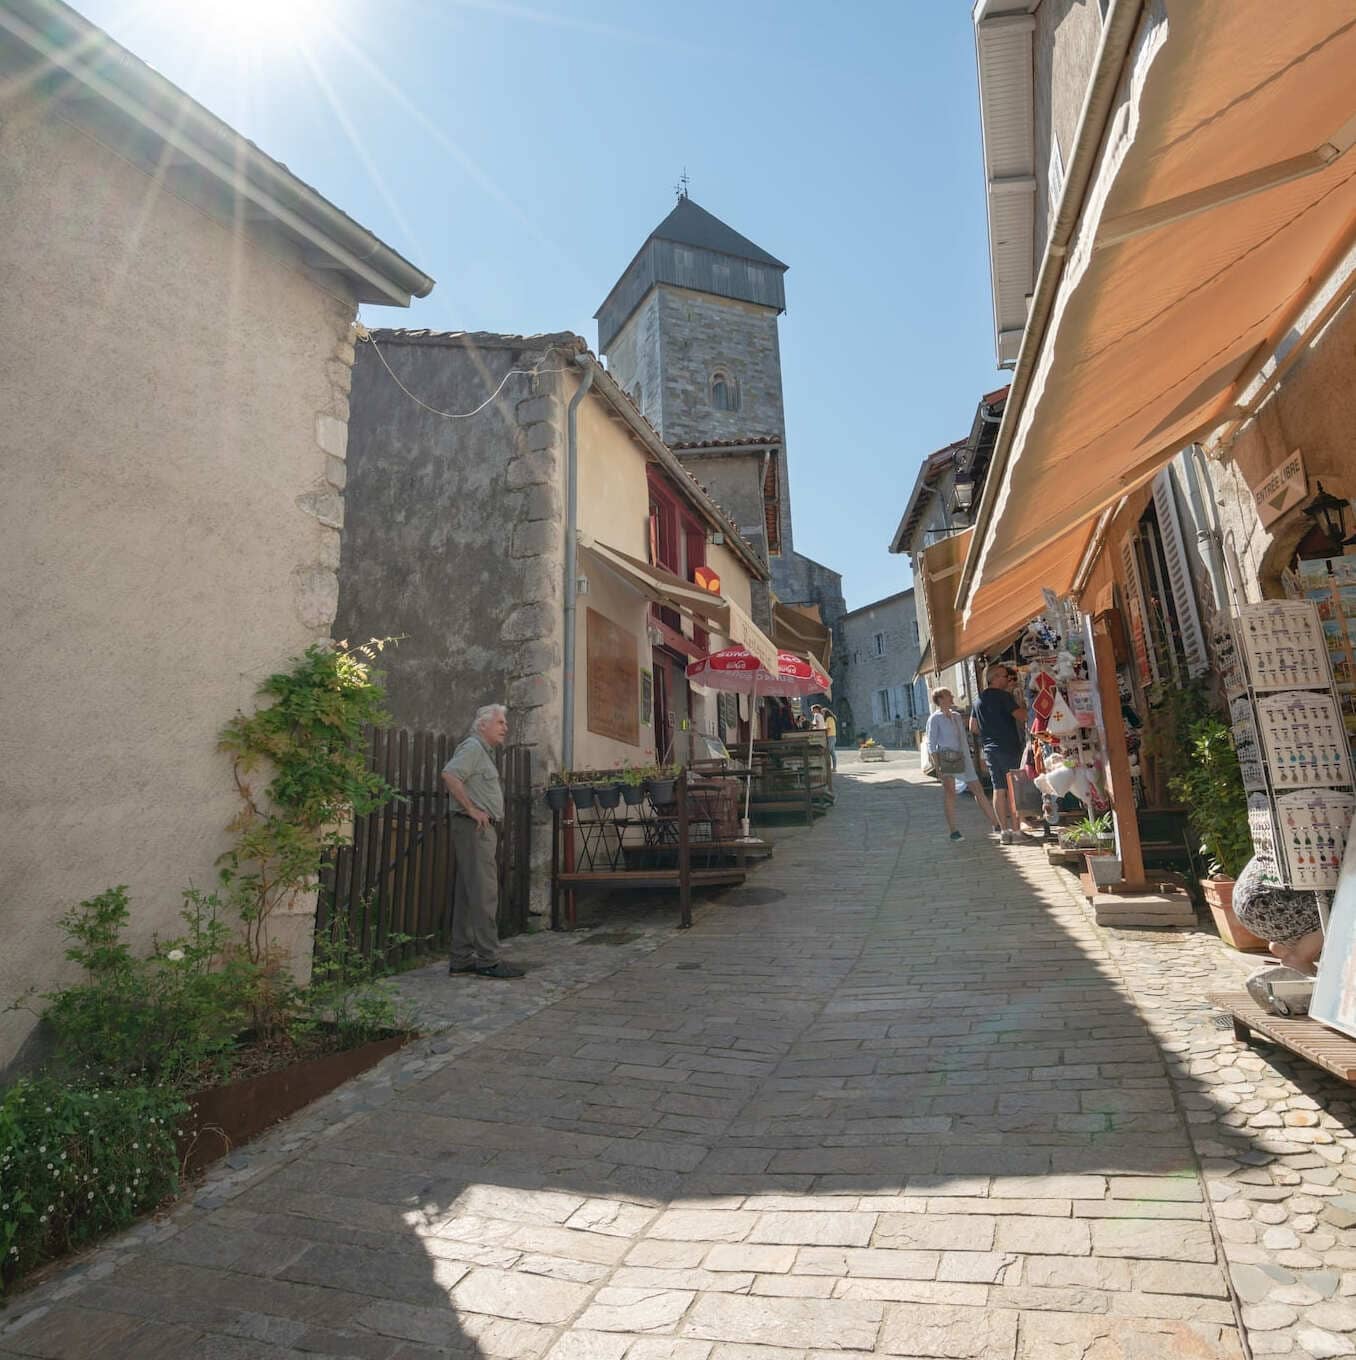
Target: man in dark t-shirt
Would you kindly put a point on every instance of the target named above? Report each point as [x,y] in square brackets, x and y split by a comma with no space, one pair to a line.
[1000,721]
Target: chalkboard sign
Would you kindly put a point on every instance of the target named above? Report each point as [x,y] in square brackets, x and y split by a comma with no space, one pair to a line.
[613,685]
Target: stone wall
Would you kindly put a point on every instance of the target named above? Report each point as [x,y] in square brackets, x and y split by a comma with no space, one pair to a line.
[865,671]
[174,450]
[635,359]
[798,579]
[454,541]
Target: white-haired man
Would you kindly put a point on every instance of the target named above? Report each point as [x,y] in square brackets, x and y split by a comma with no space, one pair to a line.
[472,778]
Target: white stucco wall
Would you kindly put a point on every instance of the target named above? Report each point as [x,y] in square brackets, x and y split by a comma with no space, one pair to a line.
[173,441]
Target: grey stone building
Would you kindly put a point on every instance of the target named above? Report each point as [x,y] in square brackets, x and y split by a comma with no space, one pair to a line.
[882,646]
[690,331]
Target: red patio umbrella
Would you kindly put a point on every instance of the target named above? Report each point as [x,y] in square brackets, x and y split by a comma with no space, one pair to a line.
[736,670]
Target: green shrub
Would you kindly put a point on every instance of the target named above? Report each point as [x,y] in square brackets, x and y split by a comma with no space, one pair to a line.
[1210,786]
[76,1162]
[171,1019]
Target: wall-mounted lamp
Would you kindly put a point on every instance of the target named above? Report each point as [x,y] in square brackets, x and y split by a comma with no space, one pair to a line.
[1329,513]
[965,490]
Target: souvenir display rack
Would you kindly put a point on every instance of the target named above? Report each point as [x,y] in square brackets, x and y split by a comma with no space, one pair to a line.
[1292,749]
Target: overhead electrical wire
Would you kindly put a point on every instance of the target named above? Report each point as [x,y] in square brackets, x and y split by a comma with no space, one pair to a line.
[363,333]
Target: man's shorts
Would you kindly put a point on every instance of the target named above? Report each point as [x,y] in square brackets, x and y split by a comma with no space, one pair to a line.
[999,763]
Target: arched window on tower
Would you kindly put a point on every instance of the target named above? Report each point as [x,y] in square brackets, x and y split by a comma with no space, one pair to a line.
[724,391]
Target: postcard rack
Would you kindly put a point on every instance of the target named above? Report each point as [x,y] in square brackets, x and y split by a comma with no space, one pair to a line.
[1291,742]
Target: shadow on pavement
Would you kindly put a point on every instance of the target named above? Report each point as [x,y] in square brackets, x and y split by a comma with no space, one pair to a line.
[907,1109]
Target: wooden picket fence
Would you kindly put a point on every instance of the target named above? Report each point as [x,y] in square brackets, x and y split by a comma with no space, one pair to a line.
[396,877]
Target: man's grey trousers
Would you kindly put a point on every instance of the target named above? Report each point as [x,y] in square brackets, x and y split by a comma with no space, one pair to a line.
[475,905]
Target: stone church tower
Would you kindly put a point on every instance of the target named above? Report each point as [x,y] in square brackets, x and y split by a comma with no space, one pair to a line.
[690,331]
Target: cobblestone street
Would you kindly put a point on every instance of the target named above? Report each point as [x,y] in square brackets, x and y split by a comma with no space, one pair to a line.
[896,1097]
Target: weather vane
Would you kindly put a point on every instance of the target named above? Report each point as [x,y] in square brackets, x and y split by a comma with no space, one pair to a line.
[681,187]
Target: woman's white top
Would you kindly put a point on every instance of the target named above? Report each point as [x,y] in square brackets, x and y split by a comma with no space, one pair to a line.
[946,731]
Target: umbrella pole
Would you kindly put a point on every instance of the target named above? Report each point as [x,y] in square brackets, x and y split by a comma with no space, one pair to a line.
[745,832]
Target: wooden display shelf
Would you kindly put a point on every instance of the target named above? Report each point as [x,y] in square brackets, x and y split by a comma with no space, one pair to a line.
[1300,1035]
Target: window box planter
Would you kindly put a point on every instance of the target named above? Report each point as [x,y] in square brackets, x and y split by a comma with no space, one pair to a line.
[557,797]
[607,795]
[582,794]
[662,790]
[633,795]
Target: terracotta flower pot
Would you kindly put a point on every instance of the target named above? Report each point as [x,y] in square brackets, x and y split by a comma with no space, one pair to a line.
[1219,897]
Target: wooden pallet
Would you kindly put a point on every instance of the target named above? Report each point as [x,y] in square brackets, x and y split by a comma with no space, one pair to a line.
[1307,1038]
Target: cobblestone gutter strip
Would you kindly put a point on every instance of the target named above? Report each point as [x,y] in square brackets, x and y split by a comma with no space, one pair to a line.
[457,1015]
[1274,1139]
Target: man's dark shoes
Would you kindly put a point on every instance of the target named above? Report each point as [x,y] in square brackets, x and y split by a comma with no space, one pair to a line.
[454,971]
[501,970]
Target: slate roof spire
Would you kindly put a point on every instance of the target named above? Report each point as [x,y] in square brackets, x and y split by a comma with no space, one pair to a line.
[691,225]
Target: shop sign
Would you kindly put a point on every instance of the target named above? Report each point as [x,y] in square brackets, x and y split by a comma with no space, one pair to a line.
[1281,490]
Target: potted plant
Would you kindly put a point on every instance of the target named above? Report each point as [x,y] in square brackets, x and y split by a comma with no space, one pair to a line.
[633,785]
[607,793]
[1105,869]
[1092,833]
[1211,787]
[581,792]
[558,792]
[663,783]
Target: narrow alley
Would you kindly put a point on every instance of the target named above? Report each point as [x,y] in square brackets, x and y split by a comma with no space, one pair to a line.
[893,1098]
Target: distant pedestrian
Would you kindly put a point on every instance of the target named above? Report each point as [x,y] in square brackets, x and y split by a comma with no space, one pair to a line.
[999,719]
[831,735]
[472,779]
[946,733]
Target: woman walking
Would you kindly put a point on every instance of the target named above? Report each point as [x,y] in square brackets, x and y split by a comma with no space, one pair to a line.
[946,733]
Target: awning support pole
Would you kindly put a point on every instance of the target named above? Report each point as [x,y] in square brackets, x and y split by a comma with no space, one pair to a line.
[1117,760]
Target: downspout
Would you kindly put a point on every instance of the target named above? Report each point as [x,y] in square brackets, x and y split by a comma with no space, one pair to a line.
[1118,34]
[1207,525]
[572,555]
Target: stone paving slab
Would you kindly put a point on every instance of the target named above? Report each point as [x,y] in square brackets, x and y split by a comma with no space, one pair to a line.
[912,1108]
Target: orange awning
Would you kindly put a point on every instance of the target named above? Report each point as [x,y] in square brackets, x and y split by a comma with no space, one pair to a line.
[1224,198]
[937,574]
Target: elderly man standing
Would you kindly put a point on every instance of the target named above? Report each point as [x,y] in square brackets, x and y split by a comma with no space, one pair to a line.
[473,781]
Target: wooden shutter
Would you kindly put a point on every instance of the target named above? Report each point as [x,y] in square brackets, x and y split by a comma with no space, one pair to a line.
[1179,575]
[1140,637]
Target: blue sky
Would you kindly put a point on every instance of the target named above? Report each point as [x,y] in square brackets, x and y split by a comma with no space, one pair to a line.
[521,152]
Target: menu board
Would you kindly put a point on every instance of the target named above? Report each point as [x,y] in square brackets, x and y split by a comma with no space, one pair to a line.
[1330,582]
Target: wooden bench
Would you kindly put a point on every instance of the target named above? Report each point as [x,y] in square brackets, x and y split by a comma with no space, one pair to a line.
[1307,1038]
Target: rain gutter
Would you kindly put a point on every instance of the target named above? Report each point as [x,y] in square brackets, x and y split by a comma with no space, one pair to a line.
[1118,33]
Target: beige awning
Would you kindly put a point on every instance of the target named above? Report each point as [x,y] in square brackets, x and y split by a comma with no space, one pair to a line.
[924,666]
[795,629]
[952,638]
[711,611]
[1224,197]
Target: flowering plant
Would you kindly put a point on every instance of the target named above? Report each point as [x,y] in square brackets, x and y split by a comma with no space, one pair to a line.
[76,1162]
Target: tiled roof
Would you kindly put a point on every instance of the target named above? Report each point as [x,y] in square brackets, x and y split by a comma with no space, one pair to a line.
[756,440]
[397,335]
